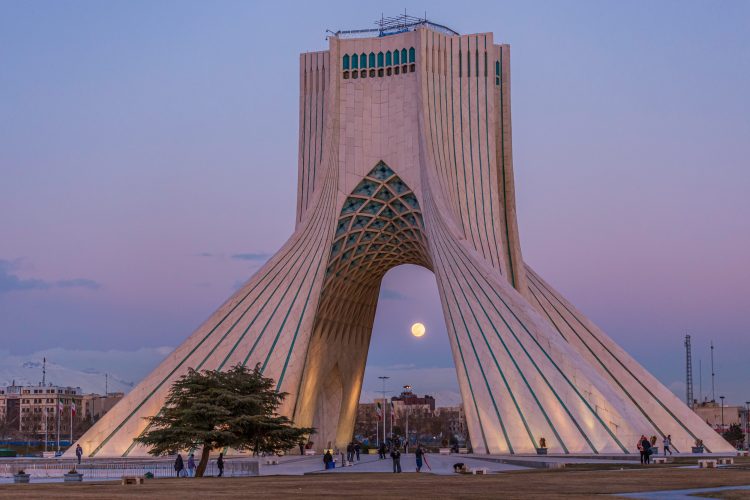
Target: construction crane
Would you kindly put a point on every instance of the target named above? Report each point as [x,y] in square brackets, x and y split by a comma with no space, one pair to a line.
[689,372]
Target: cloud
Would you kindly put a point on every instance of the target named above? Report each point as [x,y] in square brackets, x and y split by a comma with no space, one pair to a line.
[11,282]
[257,257]
[389,294]
[79,283]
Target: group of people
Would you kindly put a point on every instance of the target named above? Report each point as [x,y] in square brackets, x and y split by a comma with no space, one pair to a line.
[182,471]
[646,447]
[353,449]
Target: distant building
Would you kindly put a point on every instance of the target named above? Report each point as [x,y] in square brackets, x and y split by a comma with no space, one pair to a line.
[96,405]
[32,410]
[711,413]
[409,400]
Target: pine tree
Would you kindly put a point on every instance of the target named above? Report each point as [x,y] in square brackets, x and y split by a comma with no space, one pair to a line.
[214,410]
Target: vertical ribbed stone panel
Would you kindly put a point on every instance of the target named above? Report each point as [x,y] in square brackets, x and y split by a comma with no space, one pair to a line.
[410,162]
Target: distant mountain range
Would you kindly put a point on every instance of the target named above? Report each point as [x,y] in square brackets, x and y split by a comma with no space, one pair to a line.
[88,379]
[442,398]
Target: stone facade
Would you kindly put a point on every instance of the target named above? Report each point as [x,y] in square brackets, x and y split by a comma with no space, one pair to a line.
[416,166]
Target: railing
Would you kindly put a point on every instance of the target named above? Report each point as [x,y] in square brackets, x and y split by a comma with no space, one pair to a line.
[114,469]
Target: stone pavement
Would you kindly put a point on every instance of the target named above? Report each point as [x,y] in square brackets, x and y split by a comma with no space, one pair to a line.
[440,464]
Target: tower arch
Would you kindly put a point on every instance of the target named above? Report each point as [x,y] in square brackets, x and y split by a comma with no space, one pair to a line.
[380,226]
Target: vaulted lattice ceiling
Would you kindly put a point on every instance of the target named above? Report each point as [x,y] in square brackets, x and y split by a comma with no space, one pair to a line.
[380,227]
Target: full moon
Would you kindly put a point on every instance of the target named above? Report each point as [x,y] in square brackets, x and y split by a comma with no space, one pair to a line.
[417,329]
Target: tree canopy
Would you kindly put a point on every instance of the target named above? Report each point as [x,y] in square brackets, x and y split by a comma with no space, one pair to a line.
[734,434]
[214,409]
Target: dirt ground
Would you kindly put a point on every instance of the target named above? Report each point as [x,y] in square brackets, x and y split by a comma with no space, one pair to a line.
[729,494]
[547,484]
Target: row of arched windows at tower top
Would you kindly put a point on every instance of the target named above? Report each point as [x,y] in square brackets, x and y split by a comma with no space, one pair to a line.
[379,60]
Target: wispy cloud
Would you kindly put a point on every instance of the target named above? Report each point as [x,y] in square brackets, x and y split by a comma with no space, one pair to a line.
[11,282]
[255,257]
[205,254]
[79,283]
[389,294]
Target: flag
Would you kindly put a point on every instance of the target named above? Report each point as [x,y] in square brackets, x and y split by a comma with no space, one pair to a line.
[380,411]
[60,406]
[393,411]
[73,409]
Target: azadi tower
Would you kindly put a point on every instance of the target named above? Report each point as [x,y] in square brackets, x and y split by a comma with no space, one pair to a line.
[405,157]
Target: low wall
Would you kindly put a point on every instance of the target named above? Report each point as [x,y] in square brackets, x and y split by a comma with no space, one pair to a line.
[116,468]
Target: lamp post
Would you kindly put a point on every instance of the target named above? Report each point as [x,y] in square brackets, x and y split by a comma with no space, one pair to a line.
[722,413]
[383,378]
[407,388]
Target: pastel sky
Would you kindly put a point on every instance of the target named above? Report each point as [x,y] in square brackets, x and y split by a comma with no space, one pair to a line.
[148,161]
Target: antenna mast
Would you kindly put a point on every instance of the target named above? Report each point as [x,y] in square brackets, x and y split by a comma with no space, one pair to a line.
[688,372]
[713,374]
[44,372]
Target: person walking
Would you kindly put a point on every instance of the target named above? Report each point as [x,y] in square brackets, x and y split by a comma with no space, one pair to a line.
[350,452]
[667,444]
[645,450]
[179,465]
[191,465]
[640,446]
[381,451]
[220,464]
[396,456]
[357,449]
[328,460]
[301,447]
[79,453]
[419,453]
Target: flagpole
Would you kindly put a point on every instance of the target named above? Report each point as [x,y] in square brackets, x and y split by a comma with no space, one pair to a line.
[71,421]
[57,419]
[377,431]
[385,417]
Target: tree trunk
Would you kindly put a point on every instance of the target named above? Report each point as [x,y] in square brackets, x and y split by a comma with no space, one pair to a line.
[205,454]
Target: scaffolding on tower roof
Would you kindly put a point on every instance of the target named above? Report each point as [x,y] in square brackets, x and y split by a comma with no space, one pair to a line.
[386,26]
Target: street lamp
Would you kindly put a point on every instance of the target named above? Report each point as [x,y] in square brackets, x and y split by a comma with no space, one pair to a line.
[407,388]
[383,378]
[722,413]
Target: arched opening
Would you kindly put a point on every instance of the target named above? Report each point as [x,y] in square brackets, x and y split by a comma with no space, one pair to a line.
[380,227]
[409,295]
